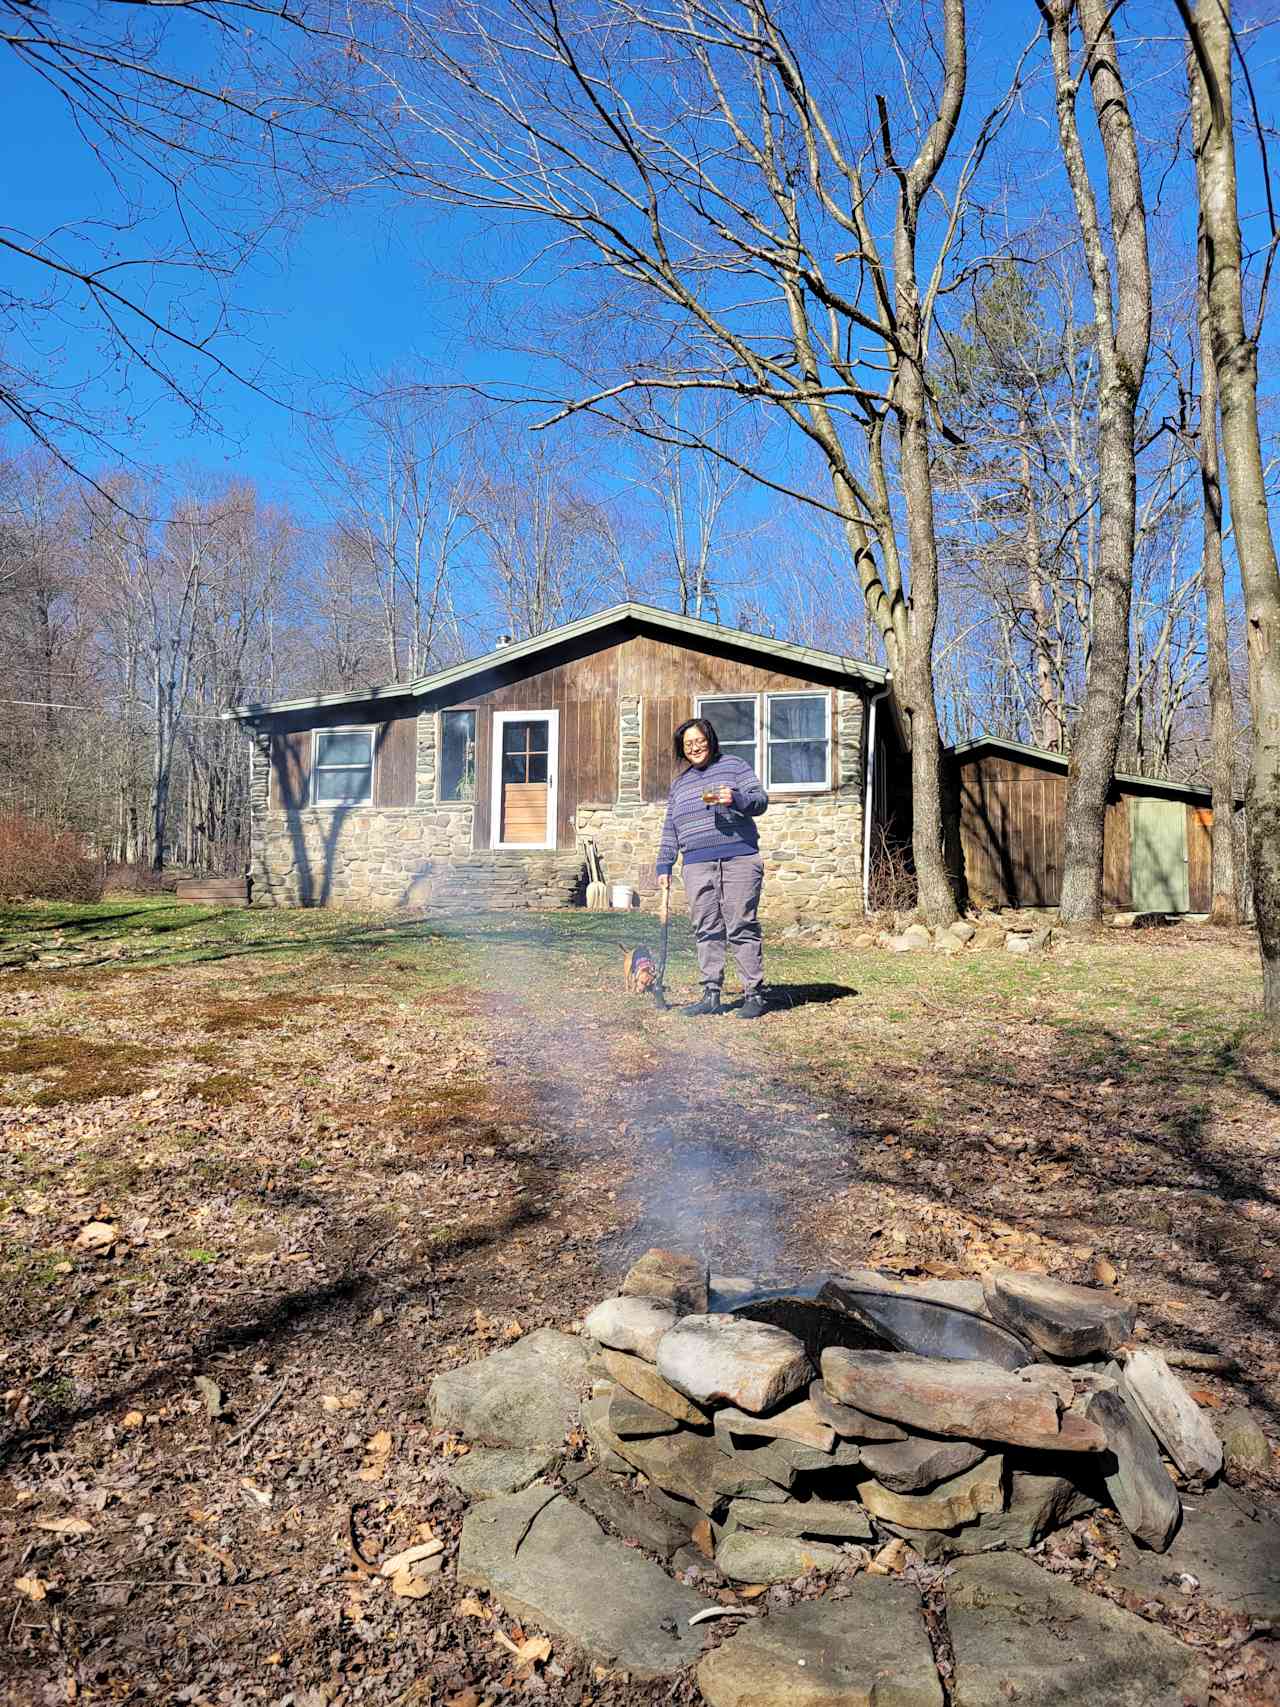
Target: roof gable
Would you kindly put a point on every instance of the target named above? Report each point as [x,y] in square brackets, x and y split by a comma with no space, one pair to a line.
[633,617]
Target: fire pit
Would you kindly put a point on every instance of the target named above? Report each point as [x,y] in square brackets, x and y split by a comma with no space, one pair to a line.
[791,1421]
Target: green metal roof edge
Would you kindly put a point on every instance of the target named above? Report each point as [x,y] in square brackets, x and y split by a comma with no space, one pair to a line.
[834,661]
[1198,789]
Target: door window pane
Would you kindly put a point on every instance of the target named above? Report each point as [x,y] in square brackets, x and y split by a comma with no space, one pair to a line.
[343,774]
[457,755]
[799,742]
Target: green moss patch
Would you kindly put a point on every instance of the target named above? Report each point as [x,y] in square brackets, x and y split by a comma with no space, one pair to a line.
[75,1069]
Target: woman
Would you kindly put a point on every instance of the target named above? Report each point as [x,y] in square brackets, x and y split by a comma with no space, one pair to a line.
[711,809]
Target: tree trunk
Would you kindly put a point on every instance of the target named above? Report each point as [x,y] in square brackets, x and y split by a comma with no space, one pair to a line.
[1224,907]
[1122,316]
[1235,359]
[1047,732]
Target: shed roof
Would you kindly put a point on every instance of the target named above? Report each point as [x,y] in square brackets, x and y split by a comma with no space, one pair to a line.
[641,617]
[1059,761]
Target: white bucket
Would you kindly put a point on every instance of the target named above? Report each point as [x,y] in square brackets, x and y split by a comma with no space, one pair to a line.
[622,897]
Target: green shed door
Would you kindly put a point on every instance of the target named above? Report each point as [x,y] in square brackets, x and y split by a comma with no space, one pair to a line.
[1158,832]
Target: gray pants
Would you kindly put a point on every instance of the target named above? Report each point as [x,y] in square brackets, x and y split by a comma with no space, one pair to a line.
[723,895]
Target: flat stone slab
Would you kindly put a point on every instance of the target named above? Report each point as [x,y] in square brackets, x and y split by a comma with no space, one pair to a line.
[486,1472]
[632,1324]
[1138,1485]
[870,1650]
[1172,1414]
[1228,1542]
[632,1516]
[780,1459]
[632,1419]
[524,1395]
[798,1422]
[692,1467]
[909,1466]
[971,1401]
[844,1519]
[643,1380]
[605,1444]
[1021,1635]
[960,1500]
[1064,1320]
[681,1280]
[749,1556]
[551,1565]
[724,1358]
[848,1421]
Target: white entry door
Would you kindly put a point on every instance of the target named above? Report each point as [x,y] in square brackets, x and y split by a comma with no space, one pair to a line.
[526,745]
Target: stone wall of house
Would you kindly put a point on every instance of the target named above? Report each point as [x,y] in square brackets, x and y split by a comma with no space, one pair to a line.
[812,844]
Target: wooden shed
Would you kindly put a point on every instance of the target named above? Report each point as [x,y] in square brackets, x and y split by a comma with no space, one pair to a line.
[1012,815]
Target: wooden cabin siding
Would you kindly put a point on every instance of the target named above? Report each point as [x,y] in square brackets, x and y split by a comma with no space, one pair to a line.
[395,762]
[668,680]
[290,770]
[585,693]
[1011,832]
[1117,860]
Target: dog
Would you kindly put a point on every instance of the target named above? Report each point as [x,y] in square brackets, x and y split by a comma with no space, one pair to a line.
[639,970]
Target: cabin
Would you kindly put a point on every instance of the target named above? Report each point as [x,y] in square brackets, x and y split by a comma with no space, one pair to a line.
[475,786]
[1012,800]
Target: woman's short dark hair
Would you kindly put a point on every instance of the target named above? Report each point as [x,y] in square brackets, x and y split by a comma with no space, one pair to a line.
[708,732]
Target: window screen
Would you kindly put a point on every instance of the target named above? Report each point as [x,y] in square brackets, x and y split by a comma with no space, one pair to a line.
[343,770]
[734,721]
[799,740]
[457,755]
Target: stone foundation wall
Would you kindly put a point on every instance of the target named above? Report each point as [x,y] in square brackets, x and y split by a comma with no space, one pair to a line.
[812,851]
[367,856]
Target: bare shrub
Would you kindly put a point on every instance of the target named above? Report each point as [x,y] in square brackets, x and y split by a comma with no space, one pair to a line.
[891,885]
[38,863]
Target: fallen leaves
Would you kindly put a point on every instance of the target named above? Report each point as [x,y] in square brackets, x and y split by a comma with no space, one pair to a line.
[377,1453]
[98,1238]
[527,1649]
[35,1588]
[64,1525]
[212,1395]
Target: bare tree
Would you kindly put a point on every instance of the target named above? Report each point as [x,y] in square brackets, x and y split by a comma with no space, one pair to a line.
[716,172]
[197,140]
[544,550]
[1121,296]
[396,469]
[1235,361]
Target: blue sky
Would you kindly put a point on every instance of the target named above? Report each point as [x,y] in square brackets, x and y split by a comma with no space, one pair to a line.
[362,286]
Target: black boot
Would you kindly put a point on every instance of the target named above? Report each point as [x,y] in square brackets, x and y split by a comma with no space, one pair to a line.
[752,1005]
[708,1004]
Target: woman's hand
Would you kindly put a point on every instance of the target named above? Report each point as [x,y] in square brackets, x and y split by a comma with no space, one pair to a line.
[724,796]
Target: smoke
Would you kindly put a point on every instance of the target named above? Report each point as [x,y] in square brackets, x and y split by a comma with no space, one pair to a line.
[715,1152]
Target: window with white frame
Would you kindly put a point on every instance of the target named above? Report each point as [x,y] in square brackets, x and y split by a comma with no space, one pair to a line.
[798,735]
[342,767]
[793,729]
[736,723]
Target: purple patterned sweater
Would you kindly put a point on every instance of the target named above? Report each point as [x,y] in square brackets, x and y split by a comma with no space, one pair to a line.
[702,832]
